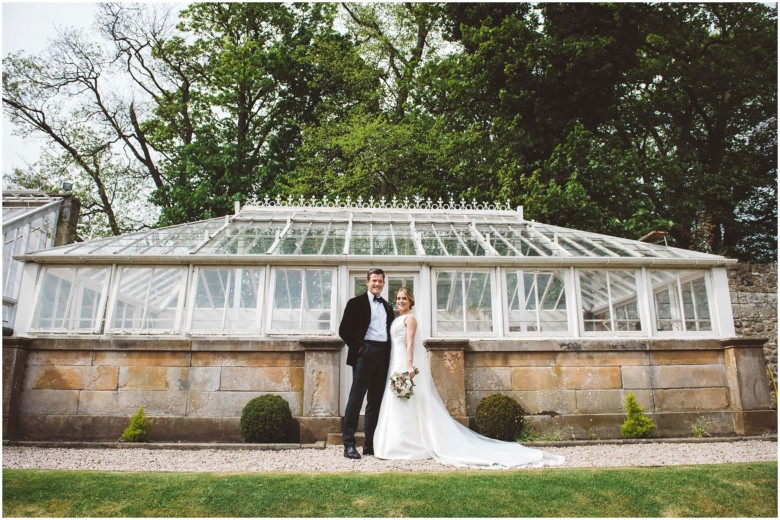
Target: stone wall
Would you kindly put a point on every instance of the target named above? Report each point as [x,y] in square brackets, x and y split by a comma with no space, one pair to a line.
[578,389]
[753,290]
[195,390]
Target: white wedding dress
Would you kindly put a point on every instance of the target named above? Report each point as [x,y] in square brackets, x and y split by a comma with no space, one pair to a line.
[421,427]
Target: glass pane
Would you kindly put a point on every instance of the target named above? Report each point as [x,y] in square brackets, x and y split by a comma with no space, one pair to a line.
[299,307]
[537,301]
[479,315]
[70,299]
[695,304]
[395,283]
[148,299]
[227,300]
[463,301]
[596,313]
[449,302]
[668,314]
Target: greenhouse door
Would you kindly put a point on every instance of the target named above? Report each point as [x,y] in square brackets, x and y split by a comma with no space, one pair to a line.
[357,285]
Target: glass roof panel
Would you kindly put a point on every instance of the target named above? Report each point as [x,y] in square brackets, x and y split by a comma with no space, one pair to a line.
[390,239]
[312,238]
[253,238]
[450,240]
[395,229]
[515,240]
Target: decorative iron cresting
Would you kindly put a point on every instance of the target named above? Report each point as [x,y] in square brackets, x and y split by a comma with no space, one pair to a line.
[415,202]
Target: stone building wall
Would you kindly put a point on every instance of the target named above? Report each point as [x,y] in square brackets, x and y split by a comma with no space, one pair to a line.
[577,389]
[753,290]
[195,390]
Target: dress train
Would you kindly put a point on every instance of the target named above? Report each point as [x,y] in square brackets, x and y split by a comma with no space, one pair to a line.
[421,427]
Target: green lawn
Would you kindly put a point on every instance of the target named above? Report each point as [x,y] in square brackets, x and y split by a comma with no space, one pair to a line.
[727,490]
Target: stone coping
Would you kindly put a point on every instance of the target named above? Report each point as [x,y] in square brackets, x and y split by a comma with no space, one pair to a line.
[298,344]
[323,444]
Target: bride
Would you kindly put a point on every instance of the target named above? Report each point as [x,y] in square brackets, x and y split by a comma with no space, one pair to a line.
[421,428]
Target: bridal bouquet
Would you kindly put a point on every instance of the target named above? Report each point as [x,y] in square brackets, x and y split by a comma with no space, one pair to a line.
[402,384]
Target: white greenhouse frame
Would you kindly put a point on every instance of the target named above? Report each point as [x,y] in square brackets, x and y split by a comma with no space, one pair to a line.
[419,238]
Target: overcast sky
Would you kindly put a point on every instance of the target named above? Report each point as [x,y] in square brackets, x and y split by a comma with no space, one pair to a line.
[28,26]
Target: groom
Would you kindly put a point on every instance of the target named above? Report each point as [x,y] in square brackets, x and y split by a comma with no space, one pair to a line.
[365,328]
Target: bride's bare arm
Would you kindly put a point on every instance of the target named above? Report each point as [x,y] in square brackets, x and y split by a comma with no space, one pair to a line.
[411,331]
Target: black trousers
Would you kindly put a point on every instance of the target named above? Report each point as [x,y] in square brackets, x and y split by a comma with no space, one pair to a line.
[369,378]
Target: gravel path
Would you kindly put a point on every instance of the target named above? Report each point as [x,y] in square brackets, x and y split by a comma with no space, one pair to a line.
[331,459]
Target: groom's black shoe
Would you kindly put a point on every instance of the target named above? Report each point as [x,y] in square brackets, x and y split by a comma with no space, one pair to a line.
[351,452]
[368,450]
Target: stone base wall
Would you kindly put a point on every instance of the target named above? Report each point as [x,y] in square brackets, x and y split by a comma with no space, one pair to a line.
[753,289]
[195,390]
[87,389]
[577,390]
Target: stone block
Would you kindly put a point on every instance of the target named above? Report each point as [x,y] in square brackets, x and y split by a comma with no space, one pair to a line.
[755,422]
[72,427]
[601,359]
[537,402]
[590,378]
[637,377]
[72,377]
[497,379]
[248,359]
[747,378]
[204,379]
[153,378]
[313,429]
[535,378]
[185,429]
[600,401]
[61,402]
[510,359]
[262,379]
[681,423]
[691,399]
[59,357]
[231,404]
[689,357]
[126,402]
[153,359]
[448,374]
[689,376]
[55,377]
[321,384]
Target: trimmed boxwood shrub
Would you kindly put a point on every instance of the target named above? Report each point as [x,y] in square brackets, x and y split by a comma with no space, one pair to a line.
[500,417]
[266,418]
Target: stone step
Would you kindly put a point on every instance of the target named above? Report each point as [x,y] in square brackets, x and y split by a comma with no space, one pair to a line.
[335,439]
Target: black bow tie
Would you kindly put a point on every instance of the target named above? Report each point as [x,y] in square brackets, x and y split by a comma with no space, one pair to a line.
[379,299]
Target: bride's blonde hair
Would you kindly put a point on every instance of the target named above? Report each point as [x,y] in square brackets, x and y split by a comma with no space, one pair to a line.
[409,295]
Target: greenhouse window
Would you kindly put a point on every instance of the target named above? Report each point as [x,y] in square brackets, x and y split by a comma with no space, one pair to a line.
[227,300]
[536,301]
[609,301]
[303,301]
[148,300]
[71,299]
[681,301]
[464,301]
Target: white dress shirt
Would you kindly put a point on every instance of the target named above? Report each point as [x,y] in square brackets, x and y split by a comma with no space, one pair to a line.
[377,328]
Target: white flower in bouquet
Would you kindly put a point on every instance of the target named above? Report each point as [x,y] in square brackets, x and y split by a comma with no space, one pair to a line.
[402,384]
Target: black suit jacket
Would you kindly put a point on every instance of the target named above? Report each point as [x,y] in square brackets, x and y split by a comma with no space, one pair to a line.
[355,322]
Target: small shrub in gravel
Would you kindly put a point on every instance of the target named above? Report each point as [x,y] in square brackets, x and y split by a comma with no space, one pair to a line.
[139,427]
[500,417]
[637,424]
[266,418]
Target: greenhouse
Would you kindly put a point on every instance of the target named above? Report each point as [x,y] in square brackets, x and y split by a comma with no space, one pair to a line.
[192,321]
